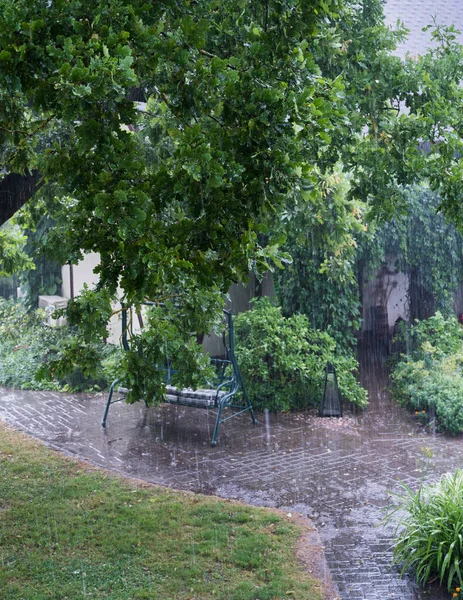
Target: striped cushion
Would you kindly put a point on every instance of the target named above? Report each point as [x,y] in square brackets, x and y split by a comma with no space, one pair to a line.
[190,397]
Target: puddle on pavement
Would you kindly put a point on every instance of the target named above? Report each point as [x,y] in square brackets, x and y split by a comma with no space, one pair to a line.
[336,471]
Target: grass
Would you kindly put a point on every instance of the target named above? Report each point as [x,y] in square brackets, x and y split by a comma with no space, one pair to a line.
[68,531]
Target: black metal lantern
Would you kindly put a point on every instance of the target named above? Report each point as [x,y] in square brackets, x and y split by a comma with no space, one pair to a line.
[330,405]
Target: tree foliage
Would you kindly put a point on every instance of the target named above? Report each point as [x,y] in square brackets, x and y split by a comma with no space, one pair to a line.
[283,360]
[172,193]
[425,246]
[393,107]
[230,89]
[321,282]
[249,108]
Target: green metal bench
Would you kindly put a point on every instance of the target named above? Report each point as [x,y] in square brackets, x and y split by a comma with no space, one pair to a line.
[224,395]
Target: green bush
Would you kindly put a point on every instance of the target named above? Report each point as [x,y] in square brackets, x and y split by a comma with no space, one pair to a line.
[28,350]
[283,360]
[22,347]
[430,378]
[437,336]
[429,538]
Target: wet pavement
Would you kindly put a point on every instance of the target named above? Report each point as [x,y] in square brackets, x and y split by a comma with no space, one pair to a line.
[336,471]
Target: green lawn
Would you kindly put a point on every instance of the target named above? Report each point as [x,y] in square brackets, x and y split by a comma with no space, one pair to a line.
[68,531]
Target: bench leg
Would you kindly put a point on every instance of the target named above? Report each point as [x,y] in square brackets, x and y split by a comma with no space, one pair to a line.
[244,391]
[108,403]
[249,405]
[217,425]
[253,417]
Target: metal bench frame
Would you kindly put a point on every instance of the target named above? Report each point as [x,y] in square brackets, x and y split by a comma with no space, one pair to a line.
[216,399]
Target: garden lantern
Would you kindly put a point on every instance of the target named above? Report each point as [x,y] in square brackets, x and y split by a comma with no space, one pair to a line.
[331,402]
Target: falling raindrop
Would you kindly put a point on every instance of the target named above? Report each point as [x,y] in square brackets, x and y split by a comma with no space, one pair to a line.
[83,575]
[198,475]
[267,426]
[193,550]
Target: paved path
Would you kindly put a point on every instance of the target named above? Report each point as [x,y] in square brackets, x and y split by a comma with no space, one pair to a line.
[335,471]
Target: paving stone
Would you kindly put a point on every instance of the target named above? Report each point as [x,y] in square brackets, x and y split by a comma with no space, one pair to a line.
[338,476]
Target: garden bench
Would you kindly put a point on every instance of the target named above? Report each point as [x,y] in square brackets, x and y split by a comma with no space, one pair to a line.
[229,391]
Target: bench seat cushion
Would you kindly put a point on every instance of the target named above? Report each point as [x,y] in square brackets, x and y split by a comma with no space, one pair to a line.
[187,396]
[190,397]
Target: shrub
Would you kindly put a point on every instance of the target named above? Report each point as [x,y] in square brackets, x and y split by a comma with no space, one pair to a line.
[438,336]
[429,537]
[28,350]
[431,377]
[283,360]
[23,342]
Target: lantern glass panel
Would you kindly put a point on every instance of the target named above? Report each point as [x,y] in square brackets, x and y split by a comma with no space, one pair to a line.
[331,402]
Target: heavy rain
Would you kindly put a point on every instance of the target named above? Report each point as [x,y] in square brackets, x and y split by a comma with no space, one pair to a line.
[314,304]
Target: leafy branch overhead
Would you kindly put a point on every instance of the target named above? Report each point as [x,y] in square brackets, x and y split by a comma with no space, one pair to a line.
[219,145]
[246,107]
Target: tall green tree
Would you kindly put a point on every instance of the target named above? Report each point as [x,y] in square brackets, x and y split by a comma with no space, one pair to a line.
[321,281]
[404,127]
[173,192]
[425,246]
[247,107]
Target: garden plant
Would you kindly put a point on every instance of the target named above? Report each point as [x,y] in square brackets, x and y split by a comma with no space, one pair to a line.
[283,360]
[29,349]
[430,377]
[429,538]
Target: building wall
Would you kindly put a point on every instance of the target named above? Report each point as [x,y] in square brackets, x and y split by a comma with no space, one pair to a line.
[82,272]
[387,289]
[239,298]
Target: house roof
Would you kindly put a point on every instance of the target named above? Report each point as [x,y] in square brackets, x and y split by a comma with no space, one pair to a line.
[416,14]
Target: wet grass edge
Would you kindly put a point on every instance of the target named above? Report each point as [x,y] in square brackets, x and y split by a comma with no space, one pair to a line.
[69,529]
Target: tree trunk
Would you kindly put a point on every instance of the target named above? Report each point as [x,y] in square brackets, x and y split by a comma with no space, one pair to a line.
[15,191]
